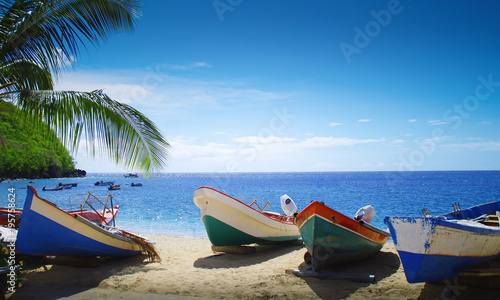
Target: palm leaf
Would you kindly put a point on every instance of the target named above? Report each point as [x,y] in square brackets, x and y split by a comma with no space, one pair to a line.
[116,129]
[49,32]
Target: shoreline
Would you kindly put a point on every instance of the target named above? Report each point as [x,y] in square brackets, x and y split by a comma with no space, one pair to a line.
[189,269]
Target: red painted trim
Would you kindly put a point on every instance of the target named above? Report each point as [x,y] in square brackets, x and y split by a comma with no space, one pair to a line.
[271,216]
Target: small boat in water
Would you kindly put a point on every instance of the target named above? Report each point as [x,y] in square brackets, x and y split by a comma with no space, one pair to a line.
[230,222]
[115,187]
[104,183]
[333,238]
[136,184]
[438,248]
[47,230]
[131,175]
[74,184]
[56,188]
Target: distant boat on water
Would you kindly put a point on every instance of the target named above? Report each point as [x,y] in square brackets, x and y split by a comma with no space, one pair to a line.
[56,188]
[74,184]
[438,248]
[115,187]
[136,184]
[131,175]
[104,183]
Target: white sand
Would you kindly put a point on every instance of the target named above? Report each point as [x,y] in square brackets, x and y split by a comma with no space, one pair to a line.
[190,269]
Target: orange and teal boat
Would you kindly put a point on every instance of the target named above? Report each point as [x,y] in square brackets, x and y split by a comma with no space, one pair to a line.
[333,238]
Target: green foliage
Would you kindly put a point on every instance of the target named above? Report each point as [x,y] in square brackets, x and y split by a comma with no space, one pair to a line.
[30,151]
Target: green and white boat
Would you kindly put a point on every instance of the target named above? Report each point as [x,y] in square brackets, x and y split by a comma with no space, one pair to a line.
[230,222]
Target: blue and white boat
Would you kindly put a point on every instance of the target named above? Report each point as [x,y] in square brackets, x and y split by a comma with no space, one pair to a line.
[104,183]
[438,248]
[47,230]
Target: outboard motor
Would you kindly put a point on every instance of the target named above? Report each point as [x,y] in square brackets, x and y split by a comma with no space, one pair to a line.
[289,207]
[365,213]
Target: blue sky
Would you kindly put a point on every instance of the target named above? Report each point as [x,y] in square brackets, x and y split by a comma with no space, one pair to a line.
[258,86]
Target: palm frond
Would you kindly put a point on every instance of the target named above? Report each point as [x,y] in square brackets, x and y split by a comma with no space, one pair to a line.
[23,75]
[47,32]
[116,129]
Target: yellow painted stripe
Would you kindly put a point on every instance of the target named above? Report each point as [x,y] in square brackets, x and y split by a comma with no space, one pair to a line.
[88,230]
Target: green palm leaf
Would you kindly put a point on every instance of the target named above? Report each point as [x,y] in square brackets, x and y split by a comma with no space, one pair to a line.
[117,129]
[36,39]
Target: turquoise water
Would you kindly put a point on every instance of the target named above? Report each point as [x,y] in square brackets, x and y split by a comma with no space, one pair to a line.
[164,204]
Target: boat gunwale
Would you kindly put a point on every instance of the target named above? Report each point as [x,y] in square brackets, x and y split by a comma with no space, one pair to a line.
[81,219]
[448,223]
[264,214]
[382,240]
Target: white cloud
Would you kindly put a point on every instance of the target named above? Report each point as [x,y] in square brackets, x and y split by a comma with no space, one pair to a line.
[333,124]
[480,146]
[188,148]
[187,67]
[412,120]
[153,89]
[322,142]
[263,140]
[437,122]
[364,120]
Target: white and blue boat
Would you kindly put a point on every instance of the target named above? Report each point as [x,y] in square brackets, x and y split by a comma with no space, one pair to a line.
[47,230]
[438,248]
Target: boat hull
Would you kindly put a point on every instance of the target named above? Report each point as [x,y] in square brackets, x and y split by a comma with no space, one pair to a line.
[230,222]
[333,238]
[47,230]
[436,249]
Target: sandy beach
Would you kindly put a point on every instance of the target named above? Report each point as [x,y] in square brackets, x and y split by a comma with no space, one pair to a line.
[190,269]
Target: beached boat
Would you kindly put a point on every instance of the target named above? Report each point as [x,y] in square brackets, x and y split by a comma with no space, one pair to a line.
[333,238]
[47,230]
[10,217]
[104,183]
[230,222]
[437,248]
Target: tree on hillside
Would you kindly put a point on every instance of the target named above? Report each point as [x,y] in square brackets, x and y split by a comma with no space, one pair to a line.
[36,39]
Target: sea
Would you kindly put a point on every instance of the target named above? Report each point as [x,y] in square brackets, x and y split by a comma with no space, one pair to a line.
[164,203]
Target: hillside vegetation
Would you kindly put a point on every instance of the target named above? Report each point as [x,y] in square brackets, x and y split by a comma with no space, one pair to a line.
[31,151]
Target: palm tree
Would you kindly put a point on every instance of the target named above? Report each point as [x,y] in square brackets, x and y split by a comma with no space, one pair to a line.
[36,39]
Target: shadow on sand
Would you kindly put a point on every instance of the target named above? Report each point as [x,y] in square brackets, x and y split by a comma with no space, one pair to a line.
[262,253]
[40,279]
[382,265]
[460,289]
